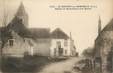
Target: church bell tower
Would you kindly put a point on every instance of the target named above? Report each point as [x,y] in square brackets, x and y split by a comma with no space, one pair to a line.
[22,15]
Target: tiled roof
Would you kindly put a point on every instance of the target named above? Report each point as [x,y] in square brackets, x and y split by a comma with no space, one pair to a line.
[59,34]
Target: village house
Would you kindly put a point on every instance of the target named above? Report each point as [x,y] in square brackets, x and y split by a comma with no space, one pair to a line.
[17,39]
[62,44]
[103,57]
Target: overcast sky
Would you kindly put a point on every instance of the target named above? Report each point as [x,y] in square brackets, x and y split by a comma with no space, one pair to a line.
[81,23]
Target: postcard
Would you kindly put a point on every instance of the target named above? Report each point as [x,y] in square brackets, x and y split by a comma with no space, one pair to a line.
[56,36]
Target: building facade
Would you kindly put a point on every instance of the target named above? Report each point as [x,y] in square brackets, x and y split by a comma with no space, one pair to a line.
[62,44]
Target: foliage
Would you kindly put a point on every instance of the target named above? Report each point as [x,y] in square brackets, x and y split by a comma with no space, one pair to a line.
[28,64]
[84,65]
[89,52]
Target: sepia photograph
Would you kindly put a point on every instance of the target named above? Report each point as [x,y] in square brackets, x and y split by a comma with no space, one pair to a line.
[56,36]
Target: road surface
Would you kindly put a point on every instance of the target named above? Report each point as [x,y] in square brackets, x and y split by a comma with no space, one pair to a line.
[61,67]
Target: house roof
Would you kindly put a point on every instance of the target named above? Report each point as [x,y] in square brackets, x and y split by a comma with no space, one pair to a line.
[109,26]
[59,34]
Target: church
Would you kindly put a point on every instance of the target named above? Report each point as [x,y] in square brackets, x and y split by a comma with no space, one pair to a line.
[103,56]
[17,39]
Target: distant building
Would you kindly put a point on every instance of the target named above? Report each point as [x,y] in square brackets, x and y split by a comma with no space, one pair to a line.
[103,57]
[17,39]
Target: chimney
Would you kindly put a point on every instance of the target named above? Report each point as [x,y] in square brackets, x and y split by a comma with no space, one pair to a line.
[70,36]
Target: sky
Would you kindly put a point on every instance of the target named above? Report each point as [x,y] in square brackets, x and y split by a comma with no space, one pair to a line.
[83,24]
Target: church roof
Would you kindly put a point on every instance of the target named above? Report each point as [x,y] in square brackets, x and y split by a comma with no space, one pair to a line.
[18,27]
[40,32]
[59,34]
[21,10]
[23,31]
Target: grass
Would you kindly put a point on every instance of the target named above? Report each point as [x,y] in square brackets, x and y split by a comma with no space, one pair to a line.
[29,64]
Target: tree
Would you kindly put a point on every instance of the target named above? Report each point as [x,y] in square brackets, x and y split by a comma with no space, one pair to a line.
[5,14]
[4,23]
[89,52]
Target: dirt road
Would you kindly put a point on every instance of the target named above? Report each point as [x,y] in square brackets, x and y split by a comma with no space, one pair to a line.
[61,67]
